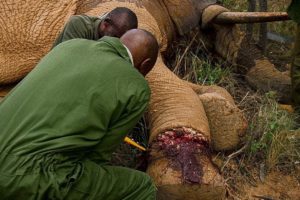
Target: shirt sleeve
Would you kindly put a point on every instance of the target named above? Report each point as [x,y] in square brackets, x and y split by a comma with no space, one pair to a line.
[76,27]
[130,105]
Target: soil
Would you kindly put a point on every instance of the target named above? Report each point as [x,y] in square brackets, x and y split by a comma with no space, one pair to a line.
[275,186]
[248,181]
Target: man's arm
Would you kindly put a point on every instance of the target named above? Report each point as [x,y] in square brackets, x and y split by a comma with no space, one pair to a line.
[77,27]
[122,121]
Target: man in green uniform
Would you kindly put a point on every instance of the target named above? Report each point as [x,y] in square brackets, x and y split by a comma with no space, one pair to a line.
[61,123]
[114,23]
[294,13]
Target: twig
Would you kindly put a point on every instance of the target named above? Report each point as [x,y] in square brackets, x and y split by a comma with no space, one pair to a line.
[244,98]
[231,192]
[204,46]
[234,154]
[185,51]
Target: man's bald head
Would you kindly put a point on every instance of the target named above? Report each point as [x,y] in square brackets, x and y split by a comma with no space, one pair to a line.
[143,47]
[117,22]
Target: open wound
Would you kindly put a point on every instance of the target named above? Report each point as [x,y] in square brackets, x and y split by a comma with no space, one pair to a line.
[181,146]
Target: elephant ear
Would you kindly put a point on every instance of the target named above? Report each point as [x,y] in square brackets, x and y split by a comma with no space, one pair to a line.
[27,31]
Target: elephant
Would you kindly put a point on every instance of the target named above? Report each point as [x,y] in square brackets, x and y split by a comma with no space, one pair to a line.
[205,116]
[218,29]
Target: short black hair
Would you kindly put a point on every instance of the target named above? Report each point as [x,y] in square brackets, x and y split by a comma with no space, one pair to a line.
[130,15]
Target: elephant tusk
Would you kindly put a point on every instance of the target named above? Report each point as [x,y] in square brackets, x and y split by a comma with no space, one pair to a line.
[249,17]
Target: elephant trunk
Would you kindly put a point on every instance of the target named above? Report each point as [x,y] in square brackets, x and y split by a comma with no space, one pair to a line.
[173,103]
[179,138]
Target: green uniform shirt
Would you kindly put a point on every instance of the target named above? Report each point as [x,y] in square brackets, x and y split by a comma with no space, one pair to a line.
[294,13]
[78,103]
[80,26]
[294,10]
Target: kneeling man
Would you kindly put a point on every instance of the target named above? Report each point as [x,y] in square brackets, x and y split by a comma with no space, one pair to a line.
[62,122]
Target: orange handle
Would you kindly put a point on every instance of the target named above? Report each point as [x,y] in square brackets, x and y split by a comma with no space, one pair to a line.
[133,143]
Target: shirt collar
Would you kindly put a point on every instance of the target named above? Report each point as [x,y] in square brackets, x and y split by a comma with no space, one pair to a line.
[129,54]
[119,47]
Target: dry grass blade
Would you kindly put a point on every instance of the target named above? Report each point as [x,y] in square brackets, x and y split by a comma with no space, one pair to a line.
[184,53]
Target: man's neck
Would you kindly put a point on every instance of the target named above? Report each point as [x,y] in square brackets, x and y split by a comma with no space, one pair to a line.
[129,54]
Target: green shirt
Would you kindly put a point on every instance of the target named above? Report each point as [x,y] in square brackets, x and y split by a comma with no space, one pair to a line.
[294,10]
[80,26]
[83,96]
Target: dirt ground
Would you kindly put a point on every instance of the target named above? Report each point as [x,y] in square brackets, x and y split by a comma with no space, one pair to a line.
[250,183]
[275,186]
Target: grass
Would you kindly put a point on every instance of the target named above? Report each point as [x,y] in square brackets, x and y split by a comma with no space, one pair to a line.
[191,61]
[284,151]
[267,132]
[210,73]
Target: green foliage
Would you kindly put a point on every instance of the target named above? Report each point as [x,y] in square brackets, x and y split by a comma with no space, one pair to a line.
[211,73]
[235,5]
[266,125]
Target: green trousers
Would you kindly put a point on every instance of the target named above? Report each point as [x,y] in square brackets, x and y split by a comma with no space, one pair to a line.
[112,182]
[295,71]
[58,176]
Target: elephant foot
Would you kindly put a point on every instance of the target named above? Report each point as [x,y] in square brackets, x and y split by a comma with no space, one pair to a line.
[266,77]
[181,168]
[227,122]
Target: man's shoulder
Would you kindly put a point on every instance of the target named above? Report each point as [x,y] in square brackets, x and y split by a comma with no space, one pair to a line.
[134,78]
[82,18]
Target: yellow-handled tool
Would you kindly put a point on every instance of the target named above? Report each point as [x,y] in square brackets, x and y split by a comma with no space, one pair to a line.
[133,143]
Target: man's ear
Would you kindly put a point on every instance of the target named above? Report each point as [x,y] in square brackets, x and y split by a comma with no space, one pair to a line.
[105,23]
[145,66]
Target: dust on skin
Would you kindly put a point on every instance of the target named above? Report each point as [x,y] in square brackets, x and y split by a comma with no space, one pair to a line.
[181,145]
